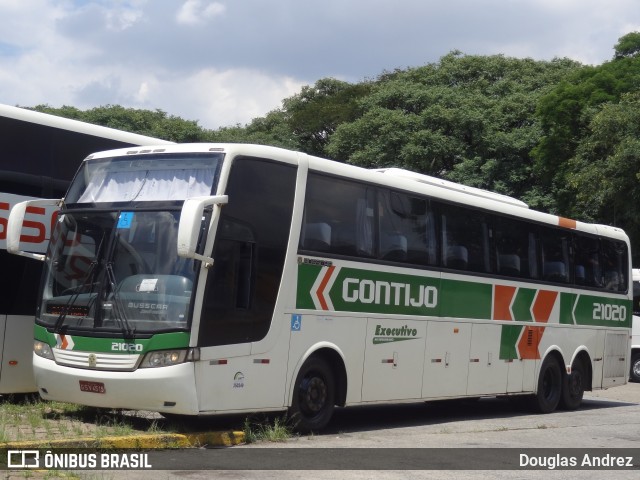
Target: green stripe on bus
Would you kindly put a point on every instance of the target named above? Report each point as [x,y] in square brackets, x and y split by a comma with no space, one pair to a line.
[325,286]
[307,275]
[521,307]
[388,293]
[459,299]
[567,301]
[159,341]
[509,340]
[599,311]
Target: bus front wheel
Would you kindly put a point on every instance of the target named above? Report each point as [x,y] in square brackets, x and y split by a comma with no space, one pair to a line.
[313,396]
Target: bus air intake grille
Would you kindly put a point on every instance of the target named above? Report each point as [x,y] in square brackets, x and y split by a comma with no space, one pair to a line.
[95,360]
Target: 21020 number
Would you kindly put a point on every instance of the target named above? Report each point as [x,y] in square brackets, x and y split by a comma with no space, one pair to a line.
[613,313]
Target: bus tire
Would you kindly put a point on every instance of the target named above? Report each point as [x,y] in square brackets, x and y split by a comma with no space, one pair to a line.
[314,394]
[547,396]
[573,387]
[634,376]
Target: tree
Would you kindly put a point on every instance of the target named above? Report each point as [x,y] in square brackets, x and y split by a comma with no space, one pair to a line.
[314,114]
[468,118]
[628,45]
[272,129]
[144,122]
[604,175]
[565,113]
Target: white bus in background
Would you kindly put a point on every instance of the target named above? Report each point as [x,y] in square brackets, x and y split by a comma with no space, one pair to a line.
[635,333]
[218,278]
[39,154]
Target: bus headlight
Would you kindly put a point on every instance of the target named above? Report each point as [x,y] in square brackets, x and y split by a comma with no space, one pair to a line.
[42,350]
[166,358]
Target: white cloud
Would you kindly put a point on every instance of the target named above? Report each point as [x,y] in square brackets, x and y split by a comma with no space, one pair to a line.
[143,93]
[229,97]
[138,53]
[119,20]
[196,12]
[217,98]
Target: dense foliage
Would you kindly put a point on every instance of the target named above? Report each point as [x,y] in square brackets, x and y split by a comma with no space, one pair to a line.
[562,136]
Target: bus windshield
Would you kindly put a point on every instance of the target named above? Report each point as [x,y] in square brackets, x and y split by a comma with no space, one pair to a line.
[112,264]
[145,178]
[116,271]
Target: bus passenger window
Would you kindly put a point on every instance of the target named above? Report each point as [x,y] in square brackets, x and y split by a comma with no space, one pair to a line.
[465,240]
[316,236]
[515,248]
[338,217]
[587,261]
[555,256]
[614,265]
[404,231]
[249,252]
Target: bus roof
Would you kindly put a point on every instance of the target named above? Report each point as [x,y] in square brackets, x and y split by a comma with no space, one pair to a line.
[392,177]
[426,179]
[77,126]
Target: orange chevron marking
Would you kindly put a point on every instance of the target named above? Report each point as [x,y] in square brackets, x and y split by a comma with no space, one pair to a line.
[502,298]
[323,285]
[529,343]
[543,305]
[64,343]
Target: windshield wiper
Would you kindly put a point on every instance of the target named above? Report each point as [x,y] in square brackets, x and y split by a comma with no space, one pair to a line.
[88,280]
[121,316]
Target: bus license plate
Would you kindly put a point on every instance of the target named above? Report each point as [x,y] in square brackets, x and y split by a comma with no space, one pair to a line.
[92,387]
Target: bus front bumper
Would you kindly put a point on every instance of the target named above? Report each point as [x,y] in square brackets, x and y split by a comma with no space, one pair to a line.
[163,389]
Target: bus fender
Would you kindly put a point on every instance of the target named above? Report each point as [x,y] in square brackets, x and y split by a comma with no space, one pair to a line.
[581,351]
[556,351]
[312,350]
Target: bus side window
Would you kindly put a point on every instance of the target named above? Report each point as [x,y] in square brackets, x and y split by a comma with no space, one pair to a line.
[249,252]
[236,255]
[515,248]
[555,256]
[339,217]
[405,235]
[614,265]
[636,298]
[316,236]
[465,240]
[587,261]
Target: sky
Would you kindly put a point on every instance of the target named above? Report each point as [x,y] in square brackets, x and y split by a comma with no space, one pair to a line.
[226,62]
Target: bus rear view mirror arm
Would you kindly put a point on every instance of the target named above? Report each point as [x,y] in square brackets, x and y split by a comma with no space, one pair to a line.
[190,225]
[17,221]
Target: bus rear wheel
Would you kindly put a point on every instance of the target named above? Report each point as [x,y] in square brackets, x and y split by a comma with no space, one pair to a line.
[549,391]
[313,396]
[573,387]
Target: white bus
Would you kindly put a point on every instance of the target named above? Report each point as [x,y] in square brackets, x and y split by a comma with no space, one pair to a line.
[220,278]
[634,374]
[39,154]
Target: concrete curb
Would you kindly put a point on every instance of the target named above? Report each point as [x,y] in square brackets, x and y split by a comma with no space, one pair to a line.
[145,442]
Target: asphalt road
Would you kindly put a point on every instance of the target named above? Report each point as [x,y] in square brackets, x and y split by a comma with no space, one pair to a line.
[607,420]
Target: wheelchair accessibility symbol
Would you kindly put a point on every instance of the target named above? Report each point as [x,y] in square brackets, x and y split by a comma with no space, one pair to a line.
[296,322]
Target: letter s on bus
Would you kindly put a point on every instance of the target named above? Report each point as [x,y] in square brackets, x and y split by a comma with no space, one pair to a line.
[40,227]
[4,220]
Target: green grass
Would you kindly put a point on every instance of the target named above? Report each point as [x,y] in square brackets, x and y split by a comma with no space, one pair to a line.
[25,418]
[275,430]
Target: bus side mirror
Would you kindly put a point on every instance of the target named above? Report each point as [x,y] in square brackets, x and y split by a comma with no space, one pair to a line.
[190,224]
[17,222]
